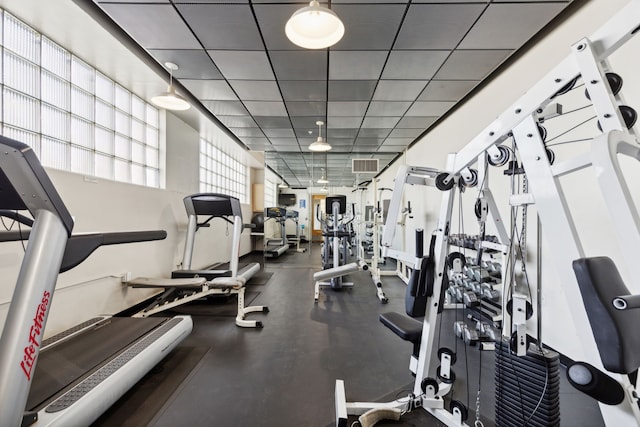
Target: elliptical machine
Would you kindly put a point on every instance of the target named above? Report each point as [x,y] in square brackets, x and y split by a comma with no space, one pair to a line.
[335,229]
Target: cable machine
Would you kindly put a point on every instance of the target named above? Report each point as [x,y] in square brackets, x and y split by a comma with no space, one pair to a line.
[574,271]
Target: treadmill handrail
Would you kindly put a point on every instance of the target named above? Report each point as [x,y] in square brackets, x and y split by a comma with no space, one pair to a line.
[80,246]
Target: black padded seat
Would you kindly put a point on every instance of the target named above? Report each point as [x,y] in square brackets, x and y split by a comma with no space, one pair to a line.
[407,328]
[614,330]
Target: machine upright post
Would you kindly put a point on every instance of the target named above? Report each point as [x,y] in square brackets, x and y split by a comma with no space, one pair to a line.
[24,328]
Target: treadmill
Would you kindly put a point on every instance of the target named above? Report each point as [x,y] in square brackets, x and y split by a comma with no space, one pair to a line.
[189,285]
[273,248]
[214,205]
[73,377]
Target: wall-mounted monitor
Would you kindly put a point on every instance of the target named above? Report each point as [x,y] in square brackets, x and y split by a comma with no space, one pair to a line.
[286,199]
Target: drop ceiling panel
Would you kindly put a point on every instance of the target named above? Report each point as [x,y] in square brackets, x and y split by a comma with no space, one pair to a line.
[388,108]
[415,122]
[508,26]
[237,121]
[398,90]
[273,122]
[446,90]
[193,63]
[226,108]
[400,66]
[242,65]
[278,135]
[266,108]
[379,122]
[414,64]
[210,89]
[304,90]
[351,90]
[436,26]
[377,132]
[405,133]
[333,133]
[356,65]
[373,27]
[299,64]
[247,132]
[344,122]
[347,108]
[223,26]
[256,90]
[153,25]
[307,108]
[429,108]
[471,64]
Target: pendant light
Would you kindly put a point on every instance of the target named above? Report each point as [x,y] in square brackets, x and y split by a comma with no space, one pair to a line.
[314,27]
[320,144]
[323,179]
[170,100]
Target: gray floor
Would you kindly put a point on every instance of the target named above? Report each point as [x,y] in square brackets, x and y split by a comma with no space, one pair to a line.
[284,374]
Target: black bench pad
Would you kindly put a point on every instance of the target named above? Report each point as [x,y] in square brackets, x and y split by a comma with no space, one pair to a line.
[407,328]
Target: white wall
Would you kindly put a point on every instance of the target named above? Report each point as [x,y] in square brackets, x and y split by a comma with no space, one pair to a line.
[94,287]
[590,211]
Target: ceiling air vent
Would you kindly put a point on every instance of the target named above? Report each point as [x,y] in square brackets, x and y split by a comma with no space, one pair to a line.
[364,165]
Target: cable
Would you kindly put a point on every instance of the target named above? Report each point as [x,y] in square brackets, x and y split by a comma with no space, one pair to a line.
[572,128]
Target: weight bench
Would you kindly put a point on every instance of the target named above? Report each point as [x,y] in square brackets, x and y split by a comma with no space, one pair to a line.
[419,289]
[614,317]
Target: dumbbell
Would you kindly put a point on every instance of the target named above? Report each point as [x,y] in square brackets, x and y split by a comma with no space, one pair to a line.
[468,335]
[470,299]
[489,293]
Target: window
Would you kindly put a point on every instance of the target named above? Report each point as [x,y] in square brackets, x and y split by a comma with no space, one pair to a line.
[221,171]
[71,115]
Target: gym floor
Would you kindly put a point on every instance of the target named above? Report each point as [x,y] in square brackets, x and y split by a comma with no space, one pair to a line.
[284,374]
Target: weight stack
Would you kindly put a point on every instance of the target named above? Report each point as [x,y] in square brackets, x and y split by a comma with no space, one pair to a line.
[521,396]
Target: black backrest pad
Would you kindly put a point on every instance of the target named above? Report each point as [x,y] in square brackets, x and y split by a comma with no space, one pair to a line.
[24,184]
[420,286]
[615,331]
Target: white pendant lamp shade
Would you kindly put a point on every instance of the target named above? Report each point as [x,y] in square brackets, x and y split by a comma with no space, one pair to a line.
[323,179]
[314,27]
[170,100]
[320,144]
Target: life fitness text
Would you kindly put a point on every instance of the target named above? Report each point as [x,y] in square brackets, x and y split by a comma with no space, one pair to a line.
[35,336]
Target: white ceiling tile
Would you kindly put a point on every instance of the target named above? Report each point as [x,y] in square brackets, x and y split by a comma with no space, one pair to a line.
[153,26]
[509,26]
[398,90]
[356,65]
[471,64]
[414,64]
[256,90]
[436,26]
[242,65]
[429,108]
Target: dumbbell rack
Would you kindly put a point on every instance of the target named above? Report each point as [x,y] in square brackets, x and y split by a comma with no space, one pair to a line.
[478,290]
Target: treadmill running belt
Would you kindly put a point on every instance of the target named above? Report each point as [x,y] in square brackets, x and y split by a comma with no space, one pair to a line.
[63,364]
